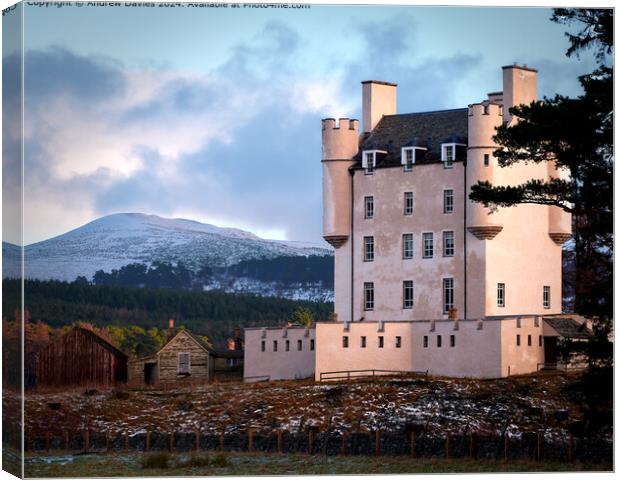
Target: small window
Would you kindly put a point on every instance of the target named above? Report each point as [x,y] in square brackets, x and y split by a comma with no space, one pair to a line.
[408,207]
[399,342]
[369,207]
[448,201]
[452,340]
[448,155]
[501,295]
[345,342]
[529,340]
[369,249]
[184,363]
[380,341]
[486,159]
[448,294]
[262,345]
[439,341]
[546,296]
[312,344]
[287,345]
[408,160]
[448,244]
[363,342]
[369,296]
[425,341]
[408,294]
[427,243]
[518,340]
[299,345]
[540,343]
[369,163]
[275,345]
[407,246]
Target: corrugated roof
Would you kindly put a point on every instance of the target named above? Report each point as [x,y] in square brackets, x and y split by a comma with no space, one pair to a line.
[569,327]
[424,129]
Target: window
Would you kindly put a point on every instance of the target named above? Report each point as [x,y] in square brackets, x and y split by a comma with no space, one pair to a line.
[486,159]
[369,249]
[529,340]
[546,297]
[368,162]
[275,345]
[452,340]
[540,340]
[380,342]
[407,246]
[345,342]
[399,342]
[262,345]
[369,207]
[408,210]
[448,201]
[448,294]
[312,344]
[184,363]
[439,341]
[448,155]
[448,244]
[501,295]
[369,296]
[425,341]
[408,294]
[408,160]
[518,340]
[299,345]
[427,242]
[363,342]
[287,346]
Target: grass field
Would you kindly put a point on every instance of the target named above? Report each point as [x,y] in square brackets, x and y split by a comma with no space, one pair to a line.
[107,465]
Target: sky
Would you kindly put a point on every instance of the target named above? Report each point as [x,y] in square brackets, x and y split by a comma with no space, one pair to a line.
[213,114]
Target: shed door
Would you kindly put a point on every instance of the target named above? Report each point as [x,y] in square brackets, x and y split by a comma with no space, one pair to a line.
[551,355]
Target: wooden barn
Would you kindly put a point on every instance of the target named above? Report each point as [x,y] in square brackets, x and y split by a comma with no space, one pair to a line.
[81,358]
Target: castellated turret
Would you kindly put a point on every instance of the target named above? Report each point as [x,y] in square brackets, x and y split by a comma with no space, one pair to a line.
[483,119]
[560,228]
[340,145]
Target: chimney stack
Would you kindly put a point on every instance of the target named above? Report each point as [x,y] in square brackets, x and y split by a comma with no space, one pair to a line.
[170,328]
[378,99]
[519,87]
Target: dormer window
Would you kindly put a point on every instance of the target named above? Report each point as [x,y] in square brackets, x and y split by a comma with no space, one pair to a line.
[407,157]
[448,154]
[369,160]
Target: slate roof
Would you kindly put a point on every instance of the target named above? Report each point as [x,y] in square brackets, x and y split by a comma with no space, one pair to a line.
[569,327]
[425,129]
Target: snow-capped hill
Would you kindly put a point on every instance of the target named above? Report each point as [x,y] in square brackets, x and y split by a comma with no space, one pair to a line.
[117,240]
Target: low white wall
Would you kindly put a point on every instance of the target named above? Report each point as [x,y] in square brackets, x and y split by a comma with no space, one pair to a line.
[280,364]
[522,358]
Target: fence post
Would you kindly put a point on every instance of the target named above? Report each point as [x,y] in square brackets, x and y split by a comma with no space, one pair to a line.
[538,446]
[279,436]
[197,447]
[222,441]
[250,440]
[107,441]
[310,442]
[65,434]
[413,446]
[570,447]
[506,446]
[343,448]
[472,446]
[171,443]
[378,443]
[126,441]
[86,439]
[147,447]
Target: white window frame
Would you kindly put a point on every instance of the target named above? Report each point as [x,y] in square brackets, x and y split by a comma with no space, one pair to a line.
[448,250]
[407,246]
[448,193]
[501,295]
[408,299]
[369,248]
[189,364]
[546,296]
[448,162]
[427,236]
[369,296]
[407,211]
[407,166]
[369,207]
[370,154]
[448,294]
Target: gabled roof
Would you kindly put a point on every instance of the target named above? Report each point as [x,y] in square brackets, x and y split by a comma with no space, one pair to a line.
[201,343]
[425,129]
[568,327]
[104,342]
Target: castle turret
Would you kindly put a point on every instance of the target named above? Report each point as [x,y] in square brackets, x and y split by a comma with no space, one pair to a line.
[560,228]
[482,121]
[340,145]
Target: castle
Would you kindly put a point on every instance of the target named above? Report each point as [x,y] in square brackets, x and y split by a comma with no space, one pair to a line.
[426,279]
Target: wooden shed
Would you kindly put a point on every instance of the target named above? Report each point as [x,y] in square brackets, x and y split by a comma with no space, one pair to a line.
[81,358]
